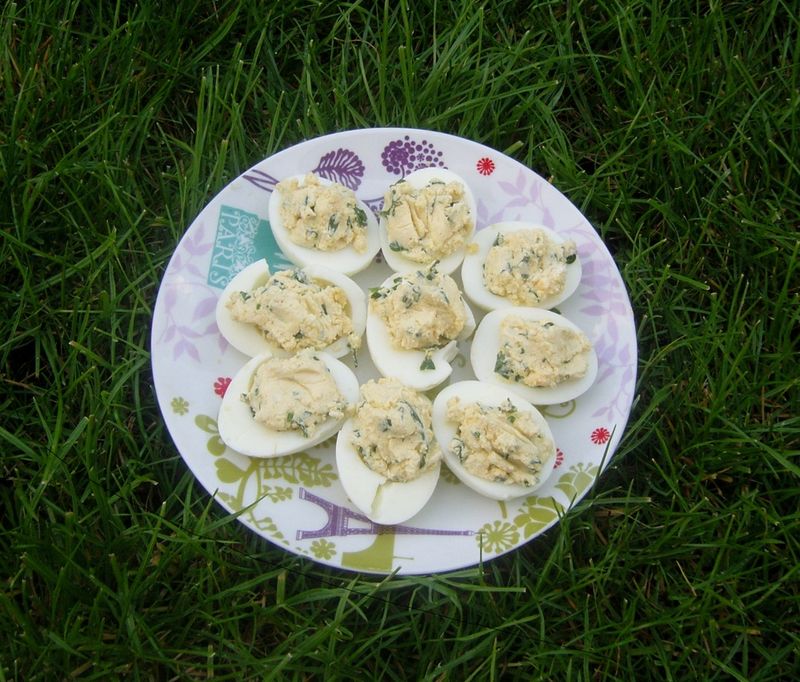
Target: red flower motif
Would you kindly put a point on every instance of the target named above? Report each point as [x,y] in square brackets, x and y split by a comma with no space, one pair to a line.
[559,458]
[221,385]
[600,436]
[485,166]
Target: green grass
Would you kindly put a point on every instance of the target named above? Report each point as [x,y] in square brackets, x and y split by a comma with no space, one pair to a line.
[673,126]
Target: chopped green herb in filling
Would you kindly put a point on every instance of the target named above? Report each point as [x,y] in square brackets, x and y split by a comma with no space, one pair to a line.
[539,353]
[294,312]
[296,393]
[427,223]
[499,443]
[392,431]
[422,310]
[527,266]
[322,216]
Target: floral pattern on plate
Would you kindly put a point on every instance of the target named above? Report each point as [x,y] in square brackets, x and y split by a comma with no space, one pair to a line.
[297,501]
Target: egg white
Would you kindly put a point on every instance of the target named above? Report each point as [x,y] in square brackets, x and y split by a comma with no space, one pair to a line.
[404,365]
[478,392]
[472,268]
[240,432]
[248,339]
[486,344]
[346,260]
[419,179]
[382,501]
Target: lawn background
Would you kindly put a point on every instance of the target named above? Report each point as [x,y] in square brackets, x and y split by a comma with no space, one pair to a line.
[672,126]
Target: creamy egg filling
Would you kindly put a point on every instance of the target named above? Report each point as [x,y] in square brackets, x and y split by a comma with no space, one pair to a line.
[392,431]
[294,394]
[294,312]
[499,444]
[421,310]
[324,217]
[527,266]
[429,223]
[540,353]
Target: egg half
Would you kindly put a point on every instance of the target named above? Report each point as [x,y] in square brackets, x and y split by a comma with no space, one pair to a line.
[248,339]
[240,432]
[490,396]
[345,260]
[414,368]
[486,345]
[419,179]
[379,499]
[472,268]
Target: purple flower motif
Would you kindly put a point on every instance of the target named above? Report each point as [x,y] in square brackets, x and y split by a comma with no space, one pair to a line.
[375,204]
[204,308]
[613,337]
[342,166]
[485,217]
[261,179]
[193,243]
[185,346]
[184,336]
[184,325]
[530,199]
[401,157]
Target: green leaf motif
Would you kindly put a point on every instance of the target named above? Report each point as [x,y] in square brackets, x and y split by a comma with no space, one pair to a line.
[379,556]
[214,445]
[323,549]
[267,525]
[537,513]
[180,406]
[579,477]
[206,423]
[228,472]
[299,468]
[280,468]
[277,494]
[230,500]
[497,536]
[328,444]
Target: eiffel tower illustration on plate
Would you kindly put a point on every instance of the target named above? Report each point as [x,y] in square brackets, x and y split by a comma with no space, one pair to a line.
[380,554]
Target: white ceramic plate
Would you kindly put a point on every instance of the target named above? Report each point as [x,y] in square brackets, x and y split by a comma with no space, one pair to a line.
[297,502]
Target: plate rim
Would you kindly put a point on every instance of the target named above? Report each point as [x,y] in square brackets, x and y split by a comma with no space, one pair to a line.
[163,401]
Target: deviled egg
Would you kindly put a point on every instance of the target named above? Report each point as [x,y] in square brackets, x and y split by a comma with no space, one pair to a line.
[386,454]
[519,263]
[319,222]
[427,216]
[536,353]
[276,406]
[494,441]
[414,323]
[314,307]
